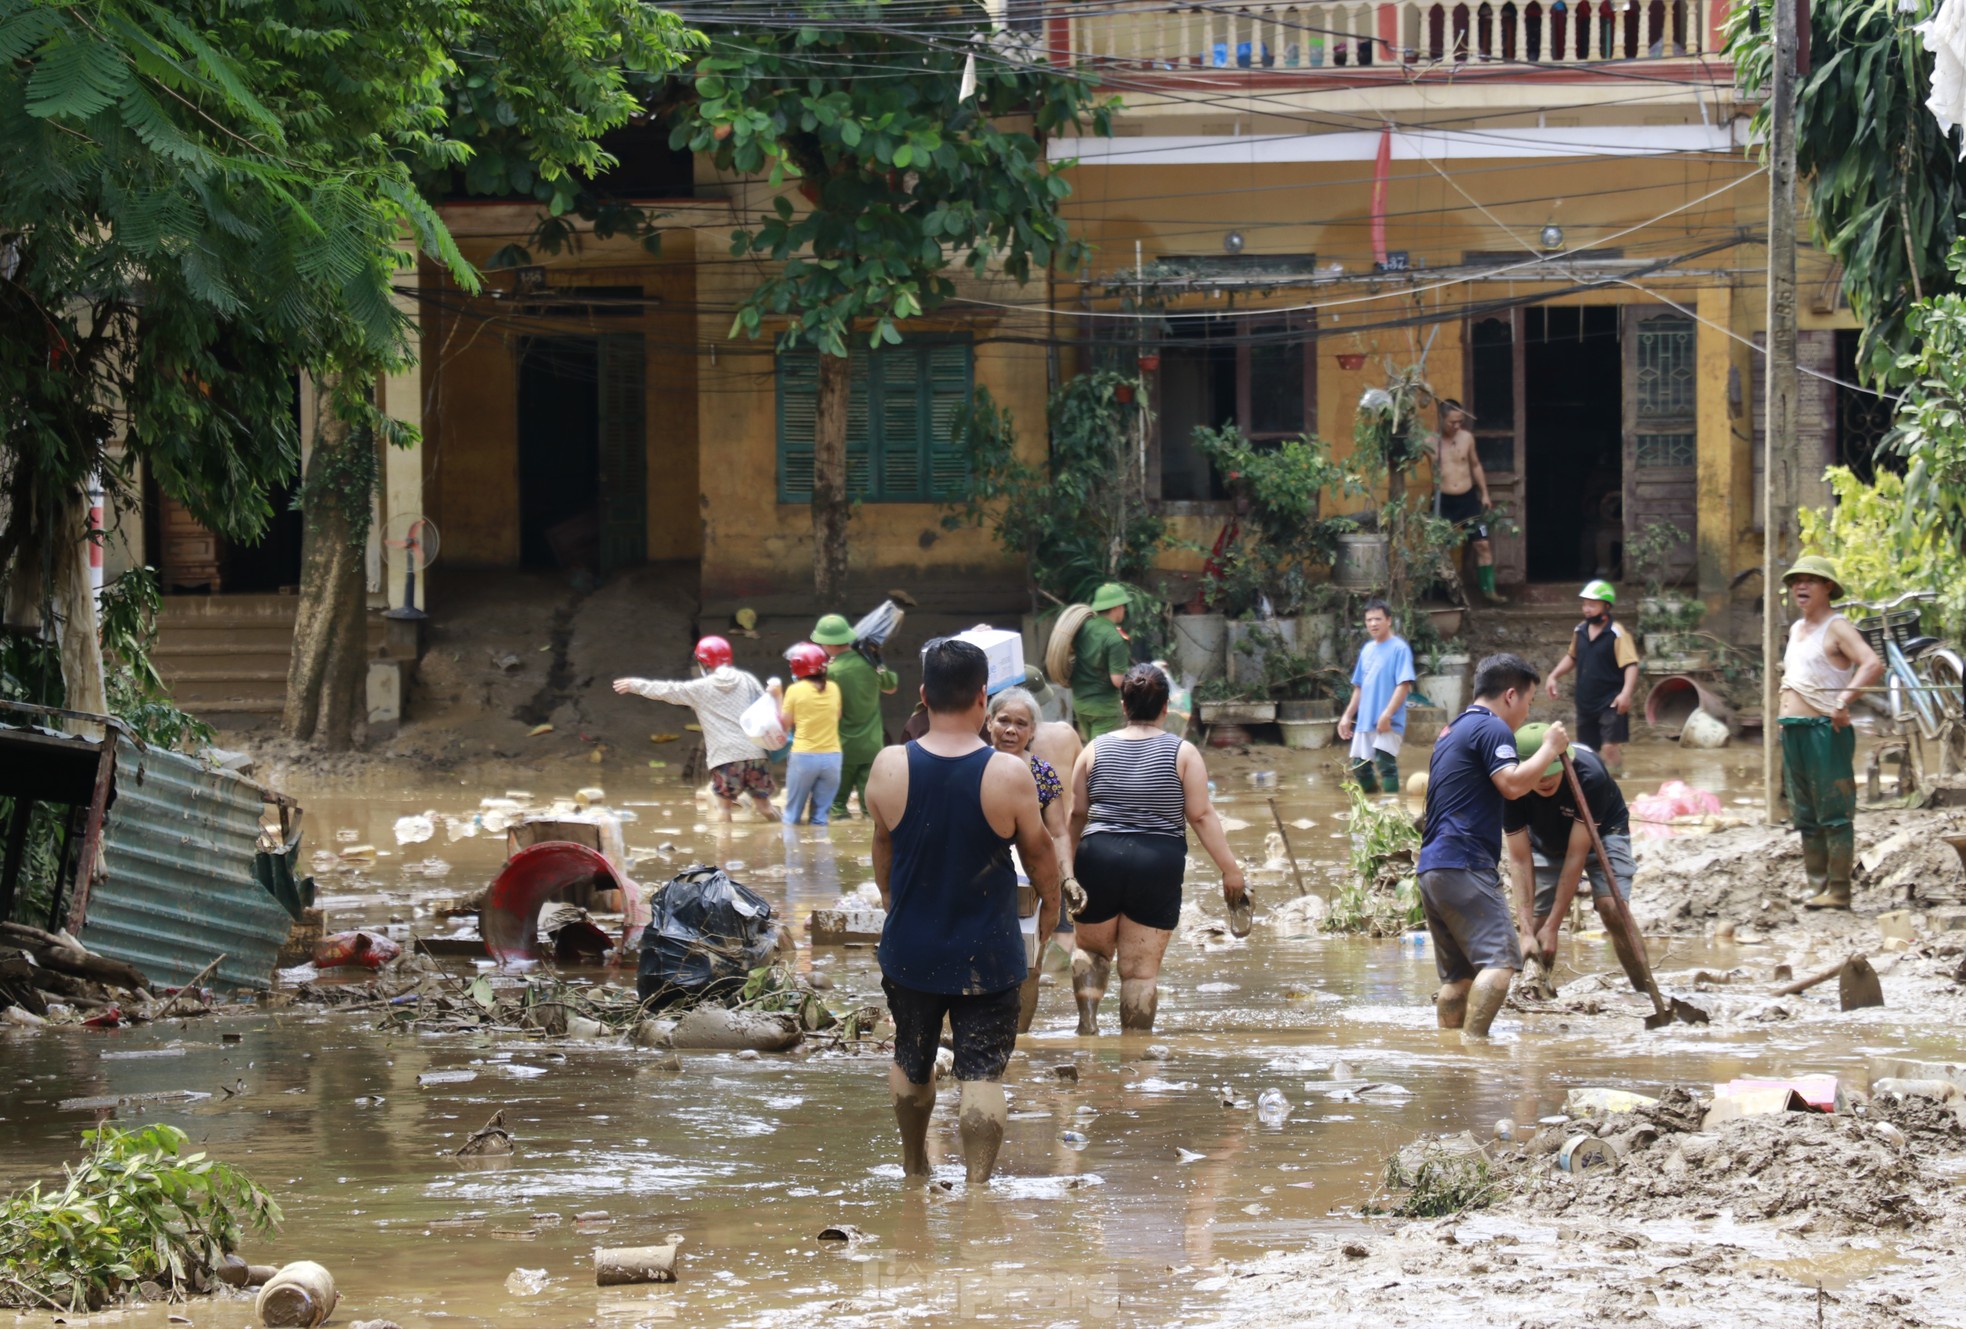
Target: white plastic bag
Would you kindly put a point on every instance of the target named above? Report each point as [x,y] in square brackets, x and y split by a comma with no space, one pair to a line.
[760,723]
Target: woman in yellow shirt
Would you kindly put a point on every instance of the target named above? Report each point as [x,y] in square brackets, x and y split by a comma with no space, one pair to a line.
[811,711]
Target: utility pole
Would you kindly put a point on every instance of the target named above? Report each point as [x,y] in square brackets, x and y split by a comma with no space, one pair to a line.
[1779,540]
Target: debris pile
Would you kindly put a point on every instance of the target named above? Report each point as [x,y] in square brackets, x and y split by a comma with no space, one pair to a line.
[51,978]
[1841,1173]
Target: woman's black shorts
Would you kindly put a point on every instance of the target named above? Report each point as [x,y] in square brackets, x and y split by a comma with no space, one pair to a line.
[1133,874]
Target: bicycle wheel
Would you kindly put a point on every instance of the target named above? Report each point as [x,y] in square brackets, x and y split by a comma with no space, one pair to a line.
[1941,670]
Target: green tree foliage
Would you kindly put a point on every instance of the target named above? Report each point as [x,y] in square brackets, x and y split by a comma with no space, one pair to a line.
[201,199]
[1078,518]
[904,181]
[1884,545]
[1885,187]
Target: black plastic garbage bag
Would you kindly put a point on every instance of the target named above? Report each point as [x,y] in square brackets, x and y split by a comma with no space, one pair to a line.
[705,935]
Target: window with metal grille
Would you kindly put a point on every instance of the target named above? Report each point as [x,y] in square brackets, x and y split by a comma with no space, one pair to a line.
[903,422]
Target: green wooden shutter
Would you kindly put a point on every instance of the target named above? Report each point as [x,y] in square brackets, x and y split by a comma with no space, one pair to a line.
[624,450]
[798,414]
[903,377]
[946,393]
[860,443]
[798,409]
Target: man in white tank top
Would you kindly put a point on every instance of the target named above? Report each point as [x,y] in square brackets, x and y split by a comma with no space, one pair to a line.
[1827,665]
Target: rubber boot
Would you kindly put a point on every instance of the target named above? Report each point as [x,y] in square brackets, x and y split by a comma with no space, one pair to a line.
[1815,861]
[1838,850]
[1485,579]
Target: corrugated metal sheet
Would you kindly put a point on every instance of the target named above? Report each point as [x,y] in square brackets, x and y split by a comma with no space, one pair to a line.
[179,889]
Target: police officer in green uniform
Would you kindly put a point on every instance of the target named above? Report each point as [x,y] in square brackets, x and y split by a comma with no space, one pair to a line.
[1100,659]
[861,682]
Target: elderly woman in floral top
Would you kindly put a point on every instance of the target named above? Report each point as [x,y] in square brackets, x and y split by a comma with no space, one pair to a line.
[1014,721]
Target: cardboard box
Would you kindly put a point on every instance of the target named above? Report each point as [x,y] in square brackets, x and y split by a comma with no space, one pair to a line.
[1006,652]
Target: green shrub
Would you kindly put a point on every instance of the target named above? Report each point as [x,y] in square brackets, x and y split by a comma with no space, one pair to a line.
[136,1208]
[1381,896]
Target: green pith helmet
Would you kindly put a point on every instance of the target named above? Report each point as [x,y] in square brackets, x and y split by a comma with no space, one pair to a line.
[833,630]
[1110,596]
[1600,590]
[1815,565]
[1529,738]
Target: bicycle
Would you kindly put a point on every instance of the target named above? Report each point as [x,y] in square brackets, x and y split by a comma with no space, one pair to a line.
[1924,686]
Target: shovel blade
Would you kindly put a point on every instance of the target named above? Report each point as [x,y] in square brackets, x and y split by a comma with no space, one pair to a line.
[1687,1013]
[1658,1019]
[1857,985]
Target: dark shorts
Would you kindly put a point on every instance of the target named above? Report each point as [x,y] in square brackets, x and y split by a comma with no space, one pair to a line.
[1465,511]
[1469,919]
[1623,869]
[983,1027]
[1596,728]
[1135,875]
[734,779]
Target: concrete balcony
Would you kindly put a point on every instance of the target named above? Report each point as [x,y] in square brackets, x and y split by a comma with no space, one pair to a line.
[1296,43]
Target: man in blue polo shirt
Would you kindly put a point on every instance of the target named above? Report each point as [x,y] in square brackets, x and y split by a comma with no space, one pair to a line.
[1474,771]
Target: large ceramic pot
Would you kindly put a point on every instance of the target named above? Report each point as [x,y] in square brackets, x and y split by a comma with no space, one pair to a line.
[1236,712]
[1317,637]
[1363,563]
[1308,733]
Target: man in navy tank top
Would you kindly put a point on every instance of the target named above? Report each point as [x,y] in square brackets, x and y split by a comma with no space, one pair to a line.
[946,809]
[1475,769]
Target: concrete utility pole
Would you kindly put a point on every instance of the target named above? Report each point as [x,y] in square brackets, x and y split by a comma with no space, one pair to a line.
[1779,475]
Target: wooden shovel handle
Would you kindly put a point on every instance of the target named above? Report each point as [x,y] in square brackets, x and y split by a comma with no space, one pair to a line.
[1617,900]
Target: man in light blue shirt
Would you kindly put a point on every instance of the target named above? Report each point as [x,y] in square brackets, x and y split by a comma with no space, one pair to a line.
[1381,680]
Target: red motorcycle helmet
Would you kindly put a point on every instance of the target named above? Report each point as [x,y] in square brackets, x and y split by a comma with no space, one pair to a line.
[807,660]
[712,652]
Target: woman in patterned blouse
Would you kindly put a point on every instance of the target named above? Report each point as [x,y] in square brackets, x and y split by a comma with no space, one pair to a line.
[1014,720]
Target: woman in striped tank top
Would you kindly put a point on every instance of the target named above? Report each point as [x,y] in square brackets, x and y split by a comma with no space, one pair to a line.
[1135,793]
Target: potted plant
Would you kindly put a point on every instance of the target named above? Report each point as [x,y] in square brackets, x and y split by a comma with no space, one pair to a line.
[1307,695]
[1221,702]
[1668,619]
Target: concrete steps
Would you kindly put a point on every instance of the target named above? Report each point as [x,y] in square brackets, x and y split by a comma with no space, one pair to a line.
[228,655]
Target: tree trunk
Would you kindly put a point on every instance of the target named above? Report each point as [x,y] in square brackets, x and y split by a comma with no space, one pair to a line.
[75,615]
[830,508]
[326,686]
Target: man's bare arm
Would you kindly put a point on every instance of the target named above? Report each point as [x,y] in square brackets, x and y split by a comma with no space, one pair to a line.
[886,785]
[1474,469]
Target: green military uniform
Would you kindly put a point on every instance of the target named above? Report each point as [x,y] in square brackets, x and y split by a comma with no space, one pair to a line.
[1099,651]
[861,686]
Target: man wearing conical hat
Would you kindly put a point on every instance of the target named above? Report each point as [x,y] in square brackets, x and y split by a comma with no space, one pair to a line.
[1828,665]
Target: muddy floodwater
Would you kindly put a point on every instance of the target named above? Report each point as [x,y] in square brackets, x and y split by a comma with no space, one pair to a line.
[1120,1196]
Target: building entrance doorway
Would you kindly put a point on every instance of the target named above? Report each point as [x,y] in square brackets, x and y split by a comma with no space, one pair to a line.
[1573,514]
[583,452]
[1585,421]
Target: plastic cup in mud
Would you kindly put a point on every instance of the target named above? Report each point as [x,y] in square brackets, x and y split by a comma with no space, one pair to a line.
[1074,1139]
[1271,1106]
[1263,779]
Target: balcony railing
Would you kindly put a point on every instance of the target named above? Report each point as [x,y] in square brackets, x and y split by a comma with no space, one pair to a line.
[1310,35]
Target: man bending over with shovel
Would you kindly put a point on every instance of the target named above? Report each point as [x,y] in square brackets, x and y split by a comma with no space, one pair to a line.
[1474,771]
[1550,845]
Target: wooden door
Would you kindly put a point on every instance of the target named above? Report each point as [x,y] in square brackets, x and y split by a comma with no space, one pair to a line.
[1494,378]
[1661,432]
[624,450]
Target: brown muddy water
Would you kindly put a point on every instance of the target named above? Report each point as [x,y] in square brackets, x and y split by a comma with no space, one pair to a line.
[1117,1198]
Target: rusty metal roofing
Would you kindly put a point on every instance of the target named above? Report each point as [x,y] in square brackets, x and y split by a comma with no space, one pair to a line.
[179,889]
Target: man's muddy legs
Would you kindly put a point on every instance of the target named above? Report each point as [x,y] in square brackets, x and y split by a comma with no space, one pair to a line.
[1485,997]
[913,1104]
[1451,1003]
[981,1115]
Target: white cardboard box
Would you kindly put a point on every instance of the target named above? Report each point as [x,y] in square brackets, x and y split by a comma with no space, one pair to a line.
[1006,652]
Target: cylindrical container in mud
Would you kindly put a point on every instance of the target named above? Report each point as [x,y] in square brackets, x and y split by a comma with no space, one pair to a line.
[1581,1153]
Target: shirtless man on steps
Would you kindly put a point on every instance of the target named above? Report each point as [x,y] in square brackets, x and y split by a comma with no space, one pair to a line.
[1464,491]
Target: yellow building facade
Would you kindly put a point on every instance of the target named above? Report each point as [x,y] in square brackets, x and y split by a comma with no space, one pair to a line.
[1551,214]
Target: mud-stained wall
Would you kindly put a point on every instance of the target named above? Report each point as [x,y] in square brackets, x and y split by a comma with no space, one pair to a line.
[470,347]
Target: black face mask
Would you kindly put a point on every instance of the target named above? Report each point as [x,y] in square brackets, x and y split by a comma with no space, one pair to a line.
[1598,620]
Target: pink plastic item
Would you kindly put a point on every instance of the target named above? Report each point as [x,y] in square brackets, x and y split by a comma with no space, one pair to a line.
[1653,814]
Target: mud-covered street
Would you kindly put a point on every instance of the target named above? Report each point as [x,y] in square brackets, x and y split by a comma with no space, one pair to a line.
[1144,1184]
